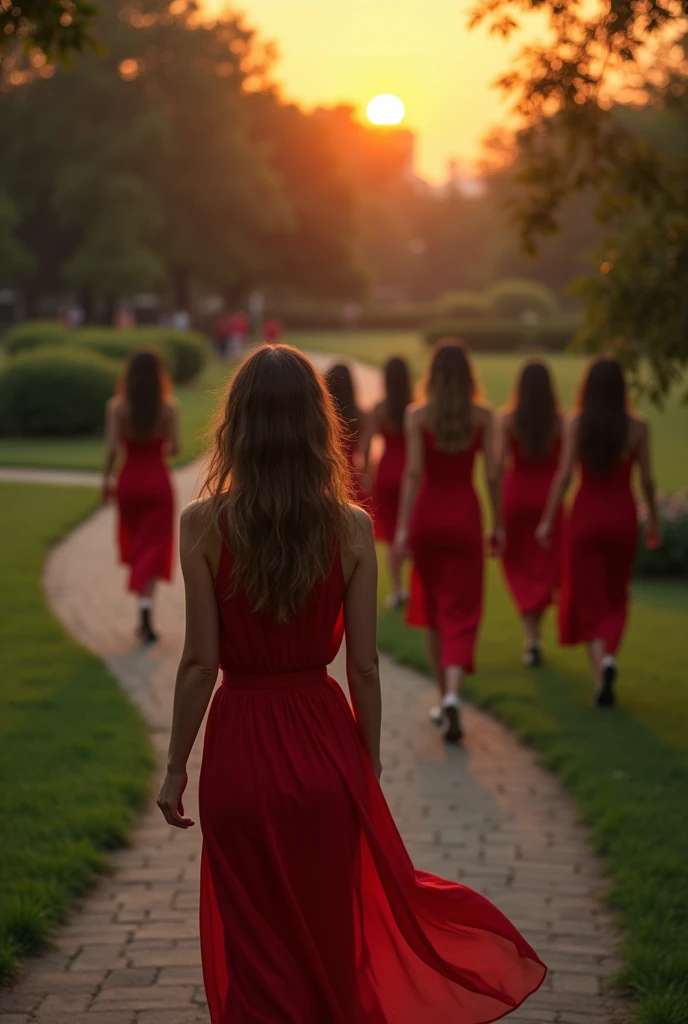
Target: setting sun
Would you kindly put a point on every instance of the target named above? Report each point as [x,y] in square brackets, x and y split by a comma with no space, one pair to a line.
[385,109]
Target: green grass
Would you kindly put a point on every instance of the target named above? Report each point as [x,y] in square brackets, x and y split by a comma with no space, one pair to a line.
[627,768]
[498,372]
[74,755]
[197,404]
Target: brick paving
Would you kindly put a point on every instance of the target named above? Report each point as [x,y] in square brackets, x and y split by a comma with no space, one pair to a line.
[485,814]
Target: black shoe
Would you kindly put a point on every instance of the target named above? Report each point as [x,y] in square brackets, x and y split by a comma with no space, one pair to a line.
[532,656]
[605,696]
[146,633]
[452,730]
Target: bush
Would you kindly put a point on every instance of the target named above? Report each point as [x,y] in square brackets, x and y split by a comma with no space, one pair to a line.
[499,335]
[515,298]
[670,559]
[33,334]
[55,391]
[184,352]
[462,305]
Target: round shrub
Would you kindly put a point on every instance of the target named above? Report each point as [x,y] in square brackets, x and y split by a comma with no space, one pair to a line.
[185,352]
[670,559]
[517,298]
[55,392]
[33,334]
[462,305]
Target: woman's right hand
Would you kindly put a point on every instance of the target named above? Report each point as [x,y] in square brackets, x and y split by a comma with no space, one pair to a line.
[653,535]
[543,533]
[107,492]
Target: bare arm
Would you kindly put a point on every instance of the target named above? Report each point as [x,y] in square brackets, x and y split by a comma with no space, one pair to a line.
[173,442]
[562,480]
[113,432]
[647,483]
[501,445]
[360,625]
[493,480]
[198,667]
[413,474]
[370,428]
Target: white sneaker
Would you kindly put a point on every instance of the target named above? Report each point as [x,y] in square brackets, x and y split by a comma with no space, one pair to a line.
[436,715]
[452,730]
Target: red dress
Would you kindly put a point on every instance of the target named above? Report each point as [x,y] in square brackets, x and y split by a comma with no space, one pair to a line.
[532,571]
[446,539]
[311,911]
[600,545]
[146,513]
[387,488]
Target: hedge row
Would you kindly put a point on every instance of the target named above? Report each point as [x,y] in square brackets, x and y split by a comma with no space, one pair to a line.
[59,391]
[499,335]
[184,352]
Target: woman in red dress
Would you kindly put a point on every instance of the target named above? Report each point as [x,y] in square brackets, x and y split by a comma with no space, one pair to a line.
[440,520]
[311,911]
[601,535]
[340,384]
[387,420]
[529,448]
[142,421]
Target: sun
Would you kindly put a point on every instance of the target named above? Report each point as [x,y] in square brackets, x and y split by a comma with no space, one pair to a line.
[385,109]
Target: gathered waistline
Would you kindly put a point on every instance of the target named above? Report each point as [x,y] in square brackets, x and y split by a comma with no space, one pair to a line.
[274,680]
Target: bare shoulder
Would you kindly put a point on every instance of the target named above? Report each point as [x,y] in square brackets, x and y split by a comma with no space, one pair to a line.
[483,414]
[114,406]
[506,418]
[416,414]
[362,535]
[195,522]
[171,406]
[638,423]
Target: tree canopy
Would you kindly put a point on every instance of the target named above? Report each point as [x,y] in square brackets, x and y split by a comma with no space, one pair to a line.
[57,28]
[580,96]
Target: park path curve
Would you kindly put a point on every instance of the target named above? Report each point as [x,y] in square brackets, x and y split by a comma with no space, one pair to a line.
[485,814]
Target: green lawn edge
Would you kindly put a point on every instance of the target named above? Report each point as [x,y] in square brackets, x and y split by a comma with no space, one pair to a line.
[75,759]
[628,783]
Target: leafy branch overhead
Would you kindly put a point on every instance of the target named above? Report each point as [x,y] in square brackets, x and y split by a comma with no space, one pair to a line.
[578,95]
[58,28]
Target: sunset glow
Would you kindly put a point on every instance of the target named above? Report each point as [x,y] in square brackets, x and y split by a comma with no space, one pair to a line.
[385,109]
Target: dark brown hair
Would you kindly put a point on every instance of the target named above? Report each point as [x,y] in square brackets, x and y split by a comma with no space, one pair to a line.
[603,417]
[278,479]
[451,390]
[340,385]
[536,417]
[397,390]
[145,386]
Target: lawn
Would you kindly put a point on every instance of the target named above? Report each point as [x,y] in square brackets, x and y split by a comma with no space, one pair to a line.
[74,755]
[197,404]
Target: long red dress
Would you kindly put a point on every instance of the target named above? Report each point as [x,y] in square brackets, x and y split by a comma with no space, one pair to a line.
[311,911]
[532,571]
[600,545]
[146,513]
[387,487]
[446,539]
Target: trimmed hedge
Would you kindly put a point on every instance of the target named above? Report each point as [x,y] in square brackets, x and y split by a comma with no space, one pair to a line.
[33,334]
[513,297]
[184,352]
[670,559]
[56,391]
[499,335]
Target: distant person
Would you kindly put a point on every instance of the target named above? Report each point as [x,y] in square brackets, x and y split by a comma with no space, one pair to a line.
[272,329]
[528,456]
[601,536]
[124,318]
[310,909]
[340,384]
[222,334]
[239,334]
[181,320]
[440,520]
[387,420]
[142,421]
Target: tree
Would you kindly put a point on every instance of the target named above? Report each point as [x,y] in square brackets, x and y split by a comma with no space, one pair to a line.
[58,28]
[575,138]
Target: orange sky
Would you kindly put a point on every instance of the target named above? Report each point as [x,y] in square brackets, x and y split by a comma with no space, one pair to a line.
[348,50]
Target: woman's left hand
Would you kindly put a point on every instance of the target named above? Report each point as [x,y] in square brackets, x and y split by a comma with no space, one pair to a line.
[170,799]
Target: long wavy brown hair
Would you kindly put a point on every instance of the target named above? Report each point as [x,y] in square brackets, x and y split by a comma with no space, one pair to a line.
[397,390]
[278,479]
[603,415]
[451,390]
[145,387]
[536,414]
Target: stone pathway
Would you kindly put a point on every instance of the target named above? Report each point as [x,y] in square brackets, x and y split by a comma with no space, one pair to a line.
[485,814]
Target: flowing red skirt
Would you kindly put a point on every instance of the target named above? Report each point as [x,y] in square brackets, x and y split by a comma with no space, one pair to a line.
[146,522]
[311,910]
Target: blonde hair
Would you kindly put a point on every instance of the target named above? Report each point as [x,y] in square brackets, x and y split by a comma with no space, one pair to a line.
[451,390]
[278,479]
